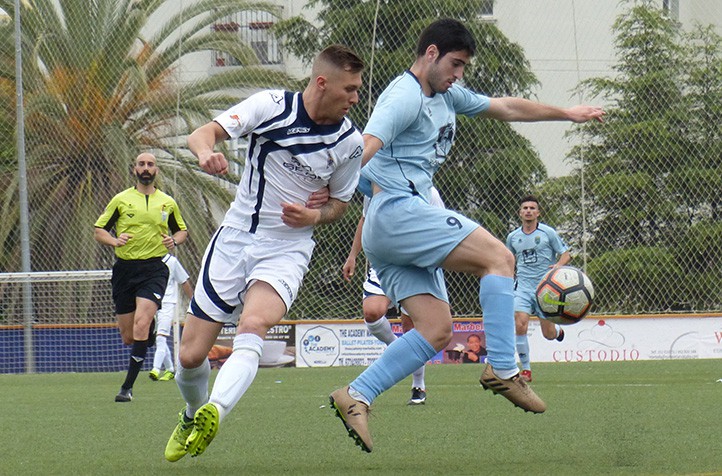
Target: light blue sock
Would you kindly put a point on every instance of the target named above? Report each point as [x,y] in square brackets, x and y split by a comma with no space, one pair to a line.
[399,360]
[522,348]
[496,296]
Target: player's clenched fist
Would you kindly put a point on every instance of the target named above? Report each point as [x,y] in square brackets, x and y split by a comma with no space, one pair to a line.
[296,215]
[214,163]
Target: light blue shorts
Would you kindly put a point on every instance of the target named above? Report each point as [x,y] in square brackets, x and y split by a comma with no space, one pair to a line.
[407,240]
[525,301]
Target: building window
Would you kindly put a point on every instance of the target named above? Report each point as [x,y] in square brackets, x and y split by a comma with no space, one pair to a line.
[487,8]
[254,28]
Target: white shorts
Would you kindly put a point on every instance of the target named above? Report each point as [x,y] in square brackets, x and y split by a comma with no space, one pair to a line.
[165,318]
[372,285]
[234,260]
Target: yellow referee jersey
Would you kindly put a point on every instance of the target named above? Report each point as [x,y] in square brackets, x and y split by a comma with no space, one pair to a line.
[144,217]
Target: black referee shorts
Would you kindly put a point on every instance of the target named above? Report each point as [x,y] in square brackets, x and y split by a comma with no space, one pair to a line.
[146,278]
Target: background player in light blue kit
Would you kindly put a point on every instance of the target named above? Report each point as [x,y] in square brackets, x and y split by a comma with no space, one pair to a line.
[408,241]
[537,248]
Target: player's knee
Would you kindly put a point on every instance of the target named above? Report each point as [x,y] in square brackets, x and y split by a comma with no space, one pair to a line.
[374,309]
[190,360]
[373,315]
[507,262]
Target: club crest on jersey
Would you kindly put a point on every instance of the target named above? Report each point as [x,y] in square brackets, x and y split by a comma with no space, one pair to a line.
[303,171]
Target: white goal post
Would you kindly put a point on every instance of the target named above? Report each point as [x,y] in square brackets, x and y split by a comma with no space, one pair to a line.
[62,321]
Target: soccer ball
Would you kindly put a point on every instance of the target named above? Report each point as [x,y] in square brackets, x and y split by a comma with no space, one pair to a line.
[565,295]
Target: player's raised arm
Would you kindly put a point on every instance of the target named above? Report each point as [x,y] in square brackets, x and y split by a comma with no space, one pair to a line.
[202,142]
[511,109]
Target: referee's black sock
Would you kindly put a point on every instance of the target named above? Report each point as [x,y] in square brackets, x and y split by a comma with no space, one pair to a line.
[137,356]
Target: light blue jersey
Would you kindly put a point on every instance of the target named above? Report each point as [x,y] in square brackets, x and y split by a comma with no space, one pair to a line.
[535,253]
[417,132]
[404,236]
[407,239]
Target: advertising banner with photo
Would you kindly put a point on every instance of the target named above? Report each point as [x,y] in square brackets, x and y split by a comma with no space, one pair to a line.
[596,339]
[278,347]
[335,344]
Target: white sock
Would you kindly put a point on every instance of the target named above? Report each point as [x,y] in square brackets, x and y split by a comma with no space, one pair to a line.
[161,351]
[506,374]
[356,395]
[193,386]
[417,378]
[168,360]
[237,373]
[381,329]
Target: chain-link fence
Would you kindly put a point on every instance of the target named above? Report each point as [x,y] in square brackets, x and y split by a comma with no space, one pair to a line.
[636,198]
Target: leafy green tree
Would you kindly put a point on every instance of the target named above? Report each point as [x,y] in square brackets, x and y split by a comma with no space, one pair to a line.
[652,171]
[490,165]
[101,84]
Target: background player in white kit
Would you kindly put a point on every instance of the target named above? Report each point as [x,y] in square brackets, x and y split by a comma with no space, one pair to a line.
[376,303]
[163,358]
[298,143]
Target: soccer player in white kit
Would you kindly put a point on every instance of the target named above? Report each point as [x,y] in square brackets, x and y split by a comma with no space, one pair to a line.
[163,358]
[298,143]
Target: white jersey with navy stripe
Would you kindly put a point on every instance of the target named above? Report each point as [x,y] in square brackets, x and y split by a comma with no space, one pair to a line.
[289,157]
[177,275]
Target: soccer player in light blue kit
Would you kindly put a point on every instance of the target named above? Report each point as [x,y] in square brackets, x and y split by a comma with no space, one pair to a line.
[537,248]
[408,241]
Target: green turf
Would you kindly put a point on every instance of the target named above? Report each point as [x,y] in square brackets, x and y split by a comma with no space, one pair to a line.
[658,417]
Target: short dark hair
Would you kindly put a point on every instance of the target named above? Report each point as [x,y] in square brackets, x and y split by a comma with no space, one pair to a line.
[529,198]
[448,35]
[342,57]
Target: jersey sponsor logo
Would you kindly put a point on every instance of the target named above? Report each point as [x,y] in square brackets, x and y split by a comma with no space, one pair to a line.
[529,256]
[303,171]
[444,140]
[297,130]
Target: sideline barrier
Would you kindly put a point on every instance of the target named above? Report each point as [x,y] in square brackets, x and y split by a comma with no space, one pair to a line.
[97,348]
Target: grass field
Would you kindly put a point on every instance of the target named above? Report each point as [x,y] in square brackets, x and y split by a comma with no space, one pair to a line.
[654,417]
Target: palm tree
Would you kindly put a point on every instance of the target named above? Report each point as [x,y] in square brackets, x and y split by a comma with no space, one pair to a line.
[101,83]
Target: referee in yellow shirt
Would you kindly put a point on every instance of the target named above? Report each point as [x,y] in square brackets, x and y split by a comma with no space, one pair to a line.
[147,225]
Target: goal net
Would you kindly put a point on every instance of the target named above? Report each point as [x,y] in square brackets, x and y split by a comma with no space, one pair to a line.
[60,322]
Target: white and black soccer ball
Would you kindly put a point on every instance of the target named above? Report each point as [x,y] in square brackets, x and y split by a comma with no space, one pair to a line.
[565,295]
